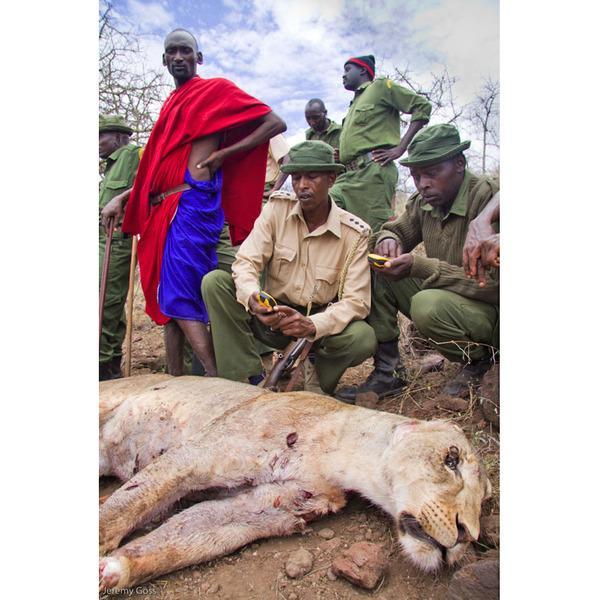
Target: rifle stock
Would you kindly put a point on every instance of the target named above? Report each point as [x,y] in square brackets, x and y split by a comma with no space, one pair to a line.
[285,362]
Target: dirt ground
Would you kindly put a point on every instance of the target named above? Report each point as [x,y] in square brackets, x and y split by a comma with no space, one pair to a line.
[257,571]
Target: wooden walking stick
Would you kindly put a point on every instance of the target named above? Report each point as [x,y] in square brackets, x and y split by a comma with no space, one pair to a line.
[130,294]
[104,279]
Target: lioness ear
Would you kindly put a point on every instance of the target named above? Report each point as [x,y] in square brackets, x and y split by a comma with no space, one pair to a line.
[402,430]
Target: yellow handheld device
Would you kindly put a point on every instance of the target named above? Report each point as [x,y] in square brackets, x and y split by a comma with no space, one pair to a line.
[266,300]
[377,261]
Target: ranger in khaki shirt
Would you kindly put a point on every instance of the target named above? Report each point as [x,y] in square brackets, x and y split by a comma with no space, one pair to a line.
[314,256]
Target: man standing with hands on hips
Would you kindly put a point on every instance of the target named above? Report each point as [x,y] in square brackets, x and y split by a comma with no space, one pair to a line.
[370,140]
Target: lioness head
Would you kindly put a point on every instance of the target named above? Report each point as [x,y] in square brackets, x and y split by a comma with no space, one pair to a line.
[438,484]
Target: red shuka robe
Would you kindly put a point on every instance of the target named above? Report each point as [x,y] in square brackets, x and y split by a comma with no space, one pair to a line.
[198,108]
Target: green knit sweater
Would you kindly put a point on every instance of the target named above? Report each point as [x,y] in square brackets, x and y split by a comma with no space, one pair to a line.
[444,237]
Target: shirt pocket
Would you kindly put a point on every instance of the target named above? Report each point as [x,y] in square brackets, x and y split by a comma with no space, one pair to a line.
[327,281]
[116,184]
[282,263]
[110,189]
[364,113]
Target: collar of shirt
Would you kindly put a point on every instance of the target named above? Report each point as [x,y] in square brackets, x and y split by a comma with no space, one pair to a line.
[332,224]
[459,205]
[360,89]
[328,129]
[331,126]
[115,155]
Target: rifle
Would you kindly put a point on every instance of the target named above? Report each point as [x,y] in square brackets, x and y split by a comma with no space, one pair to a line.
[295,351]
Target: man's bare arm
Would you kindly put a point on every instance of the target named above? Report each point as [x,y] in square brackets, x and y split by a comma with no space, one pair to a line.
[114,209]
[269,126]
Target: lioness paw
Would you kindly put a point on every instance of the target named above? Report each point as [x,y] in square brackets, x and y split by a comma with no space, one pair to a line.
[113,573]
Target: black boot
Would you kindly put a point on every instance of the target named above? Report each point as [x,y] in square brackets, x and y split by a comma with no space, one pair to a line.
[470,376]
[115,367]
[111,369]
[384,380]
[105,372]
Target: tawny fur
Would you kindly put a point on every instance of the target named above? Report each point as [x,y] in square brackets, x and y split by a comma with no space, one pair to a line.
[279,461]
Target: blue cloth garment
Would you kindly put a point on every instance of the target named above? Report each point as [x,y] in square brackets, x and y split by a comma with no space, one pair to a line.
[190,249]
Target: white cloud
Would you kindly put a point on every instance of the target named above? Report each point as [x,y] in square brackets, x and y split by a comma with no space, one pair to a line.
[149,15]
[287,52]
[463,34]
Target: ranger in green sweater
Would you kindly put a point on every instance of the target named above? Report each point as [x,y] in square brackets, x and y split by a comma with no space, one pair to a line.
[456,314]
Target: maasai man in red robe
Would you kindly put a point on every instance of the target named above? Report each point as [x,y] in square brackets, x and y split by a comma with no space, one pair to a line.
[204,163]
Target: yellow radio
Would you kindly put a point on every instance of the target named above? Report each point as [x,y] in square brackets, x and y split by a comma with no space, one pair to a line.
[266,300]
[377,261]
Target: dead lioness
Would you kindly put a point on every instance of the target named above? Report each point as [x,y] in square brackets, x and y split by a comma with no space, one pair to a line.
[279,461]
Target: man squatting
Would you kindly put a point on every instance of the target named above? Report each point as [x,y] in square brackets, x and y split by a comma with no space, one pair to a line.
[204,163]
[451,309]
[314,257]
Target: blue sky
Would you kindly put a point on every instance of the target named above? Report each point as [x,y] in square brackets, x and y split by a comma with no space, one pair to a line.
[285,52]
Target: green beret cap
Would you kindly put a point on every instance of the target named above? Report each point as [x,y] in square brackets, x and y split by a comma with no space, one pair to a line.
[311,155]
[434,144]
[113,123]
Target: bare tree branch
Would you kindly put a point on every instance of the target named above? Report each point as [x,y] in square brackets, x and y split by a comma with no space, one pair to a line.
[484,114]
[126,86]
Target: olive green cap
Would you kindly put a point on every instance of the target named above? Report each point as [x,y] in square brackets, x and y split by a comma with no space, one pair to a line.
[312,155]
[434,144]
[113,123]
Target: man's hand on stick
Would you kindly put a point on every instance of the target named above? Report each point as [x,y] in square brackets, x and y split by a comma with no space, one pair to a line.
[114,210]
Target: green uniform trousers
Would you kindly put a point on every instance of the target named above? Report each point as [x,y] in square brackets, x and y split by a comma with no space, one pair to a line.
[459,328]
[234,331]
[117,284]
[367,193]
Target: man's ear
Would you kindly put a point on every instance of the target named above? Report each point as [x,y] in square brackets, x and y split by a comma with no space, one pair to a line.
[332,178]
[164,60]
[200,59]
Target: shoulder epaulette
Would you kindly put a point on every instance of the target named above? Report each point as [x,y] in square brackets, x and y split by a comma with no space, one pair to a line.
[283,195]
[355,223]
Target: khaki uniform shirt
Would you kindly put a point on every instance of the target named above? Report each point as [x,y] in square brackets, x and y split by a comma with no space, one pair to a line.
[330,136]
[303,267]
[444,237]
[373,119]
[278,148]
